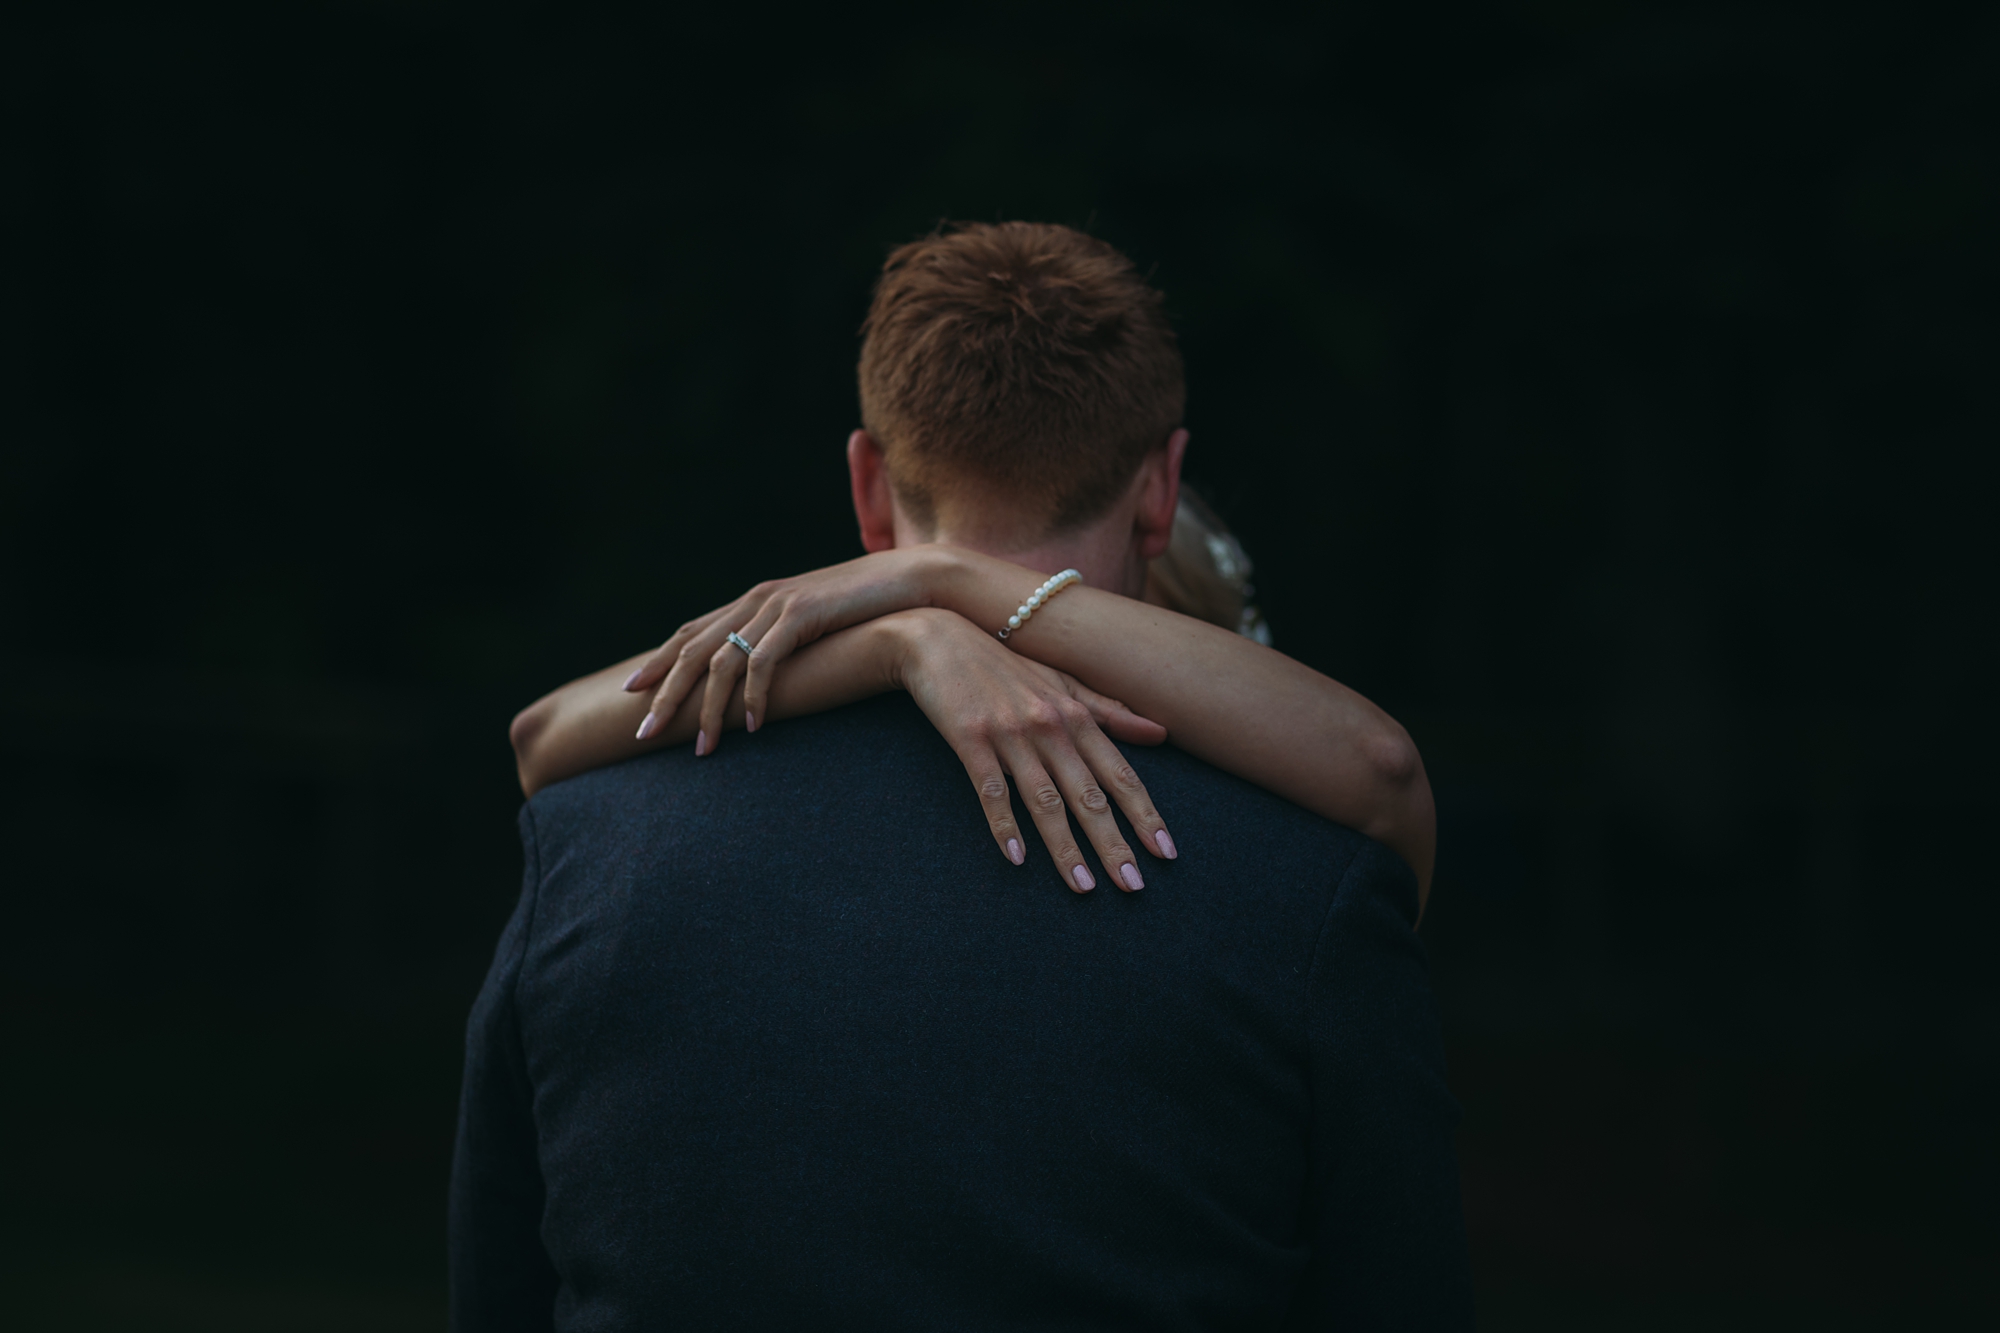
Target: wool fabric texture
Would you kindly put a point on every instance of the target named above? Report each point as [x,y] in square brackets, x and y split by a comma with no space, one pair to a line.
[777,1038]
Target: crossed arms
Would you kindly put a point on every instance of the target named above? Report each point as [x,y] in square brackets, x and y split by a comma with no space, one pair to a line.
[1035,709]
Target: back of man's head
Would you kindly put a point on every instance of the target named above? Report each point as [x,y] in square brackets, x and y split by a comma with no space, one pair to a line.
[1020,359]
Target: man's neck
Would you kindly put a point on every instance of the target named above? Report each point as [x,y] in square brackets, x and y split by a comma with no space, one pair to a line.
[1107,557]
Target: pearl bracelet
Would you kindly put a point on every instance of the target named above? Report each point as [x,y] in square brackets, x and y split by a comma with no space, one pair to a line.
[1037,598]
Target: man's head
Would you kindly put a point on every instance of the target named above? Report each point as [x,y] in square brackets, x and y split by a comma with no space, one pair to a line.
[1021,392]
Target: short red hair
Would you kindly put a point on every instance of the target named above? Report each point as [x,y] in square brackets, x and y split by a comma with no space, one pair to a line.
[1020,356]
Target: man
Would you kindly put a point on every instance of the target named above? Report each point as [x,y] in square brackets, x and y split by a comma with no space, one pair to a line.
[775,1039]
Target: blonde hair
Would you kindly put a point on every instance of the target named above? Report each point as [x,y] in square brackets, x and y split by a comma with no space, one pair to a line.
[1204,573]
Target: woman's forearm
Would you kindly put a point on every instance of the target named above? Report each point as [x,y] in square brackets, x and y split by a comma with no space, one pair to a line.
[1223,698]
[592,721]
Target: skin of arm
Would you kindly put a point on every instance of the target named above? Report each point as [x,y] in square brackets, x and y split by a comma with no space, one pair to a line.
[1013,722]
[1225,699]
[589,722]
[1243,707]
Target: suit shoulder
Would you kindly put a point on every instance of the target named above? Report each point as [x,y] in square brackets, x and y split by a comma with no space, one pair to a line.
[588,793]
[1172,774]
[869,742]
[1377,881]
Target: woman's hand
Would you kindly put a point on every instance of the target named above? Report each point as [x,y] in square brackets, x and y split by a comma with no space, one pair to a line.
[777,619]
[1008,716]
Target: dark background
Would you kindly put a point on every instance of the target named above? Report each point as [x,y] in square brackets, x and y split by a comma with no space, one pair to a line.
[1603,388]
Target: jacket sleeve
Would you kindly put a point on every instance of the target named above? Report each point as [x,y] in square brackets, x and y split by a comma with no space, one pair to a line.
[1385,1221]
[501,1277]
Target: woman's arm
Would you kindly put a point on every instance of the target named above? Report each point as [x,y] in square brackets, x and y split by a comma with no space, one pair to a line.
[593,721]
[1243,707]
[1005,716]
[1235,703]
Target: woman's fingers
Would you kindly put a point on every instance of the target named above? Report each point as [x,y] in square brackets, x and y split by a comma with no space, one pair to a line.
[1045,806]
[989,779]
[1004,713]
[1110,714]
[1115,775]
[725,666]
[1057,779]
[661,659]
[772,646]
[1085,795]
[1118,721]
[690,662]
[766,617]
[812,604]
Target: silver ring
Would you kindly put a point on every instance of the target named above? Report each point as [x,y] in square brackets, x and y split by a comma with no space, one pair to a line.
[740,642]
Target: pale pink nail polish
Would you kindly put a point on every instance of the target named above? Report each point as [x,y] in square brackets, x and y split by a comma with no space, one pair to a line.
[1084,882]
[1165,844]
[627,686]
[701,743]
[648,725]
[1130,874]
[1014,851]
[749,722]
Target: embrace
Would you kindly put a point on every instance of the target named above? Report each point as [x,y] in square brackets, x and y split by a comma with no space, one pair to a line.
[801,1030]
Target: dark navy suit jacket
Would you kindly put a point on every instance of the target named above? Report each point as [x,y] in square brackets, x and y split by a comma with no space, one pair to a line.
[778,1039]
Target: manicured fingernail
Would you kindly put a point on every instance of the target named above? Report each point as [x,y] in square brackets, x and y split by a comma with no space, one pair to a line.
[1130,874]
[701,742]
[749,722]
[648,726]
[1165,844]
[627,686]
[1014,851]
[1084,882]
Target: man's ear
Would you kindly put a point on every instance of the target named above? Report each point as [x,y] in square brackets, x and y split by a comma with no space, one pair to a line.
[1159,496]
[874,504]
